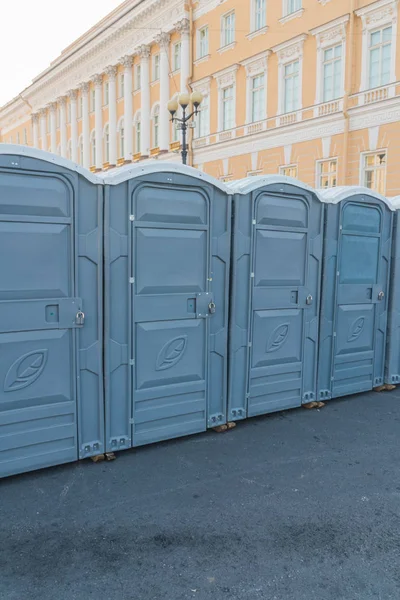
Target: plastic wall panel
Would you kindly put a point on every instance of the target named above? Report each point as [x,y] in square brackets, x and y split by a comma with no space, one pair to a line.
[276,272]
[167,257]
[392,366]
[355,288]
[51,379]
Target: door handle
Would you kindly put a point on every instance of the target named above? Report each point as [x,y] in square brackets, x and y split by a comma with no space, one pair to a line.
[212,308]
[309,300]
[381,295]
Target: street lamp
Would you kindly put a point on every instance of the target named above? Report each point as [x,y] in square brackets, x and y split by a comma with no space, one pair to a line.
[184,100]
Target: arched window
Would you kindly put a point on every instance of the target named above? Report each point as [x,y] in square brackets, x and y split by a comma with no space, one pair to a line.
[93,149]
[106,138]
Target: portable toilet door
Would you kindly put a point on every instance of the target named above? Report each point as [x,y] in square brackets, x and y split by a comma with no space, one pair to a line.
[356,269]
[392,366]
[276,273]
[51,381]
[167,253]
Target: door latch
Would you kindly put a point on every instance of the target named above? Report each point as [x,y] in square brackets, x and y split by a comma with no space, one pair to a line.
[80,318]
[309,300]
[381,295]
[212,308]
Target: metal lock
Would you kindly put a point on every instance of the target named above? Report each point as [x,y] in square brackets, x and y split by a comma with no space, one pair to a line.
[309,300]
[212,308]
[80,318]
[381,295]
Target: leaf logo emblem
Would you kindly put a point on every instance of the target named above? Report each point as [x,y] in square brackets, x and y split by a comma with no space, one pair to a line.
[26,370]
[171,353]
[356,329]
[278,337]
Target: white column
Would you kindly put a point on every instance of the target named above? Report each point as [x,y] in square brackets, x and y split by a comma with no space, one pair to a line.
[43,128]
[98,119]
[72,94]
[63,126]
[112,112]
[127,62]
[35,130]
[163,40]
[145,99]
[53,127]
[84,87]
[184,29]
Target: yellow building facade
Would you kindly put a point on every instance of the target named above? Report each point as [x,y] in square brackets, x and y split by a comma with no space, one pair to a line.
[307,88]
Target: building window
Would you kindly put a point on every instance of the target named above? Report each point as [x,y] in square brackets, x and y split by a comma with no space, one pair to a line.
[107,144]
[80,148]
[291,6]
[121,85]
[156,126]
[203,42]
[137,77]
[228,29]
[327,173]
[228,108]
[259,14]
[332,73]
[380,51]
[138,136]
[203,118]
[177,56]
[374,171]
[122,141]
[93,100]
[25,137]
[93,149]
[289,171]
[258,98]
[106,93]
[18,138]
[156,67]
[291,86]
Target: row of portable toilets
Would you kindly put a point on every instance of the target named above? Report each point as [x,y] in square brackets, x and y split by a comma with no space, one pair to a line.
[156,302]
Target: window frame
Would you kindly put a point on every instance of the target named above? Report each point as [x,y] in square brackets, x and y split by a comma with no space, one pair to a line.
[254,15]
[177,65]
[283,168]
[156,67]
[286,5]
[380,46]
[319,174]
[363,169]
[224,41]
[373,19]
[137,77]
[200,53]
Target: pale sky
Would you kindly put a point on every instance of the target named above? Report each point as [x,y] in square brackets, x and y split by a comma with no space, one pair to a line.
[34,32]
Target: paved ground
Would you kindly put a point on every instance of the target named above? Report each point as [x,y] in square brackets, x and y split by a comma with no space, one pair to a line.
[301,505]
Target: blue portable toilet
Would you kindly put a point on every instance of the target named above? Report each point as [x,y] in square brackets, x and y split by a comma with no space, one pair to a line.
[392,368]
[274,316]
[354,309]
[51,380]
[167,257]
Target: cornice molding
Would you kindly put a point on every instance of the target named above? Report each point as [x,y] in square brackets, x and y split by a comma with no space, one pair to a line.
[104,47]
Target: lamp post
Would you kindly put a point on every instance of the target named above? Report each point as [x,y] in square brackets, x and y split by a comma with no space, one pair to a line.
[184,100]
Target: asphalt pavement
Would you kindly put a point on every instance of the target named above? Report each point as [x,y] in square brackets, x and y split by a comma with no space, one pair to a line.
[302,505]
